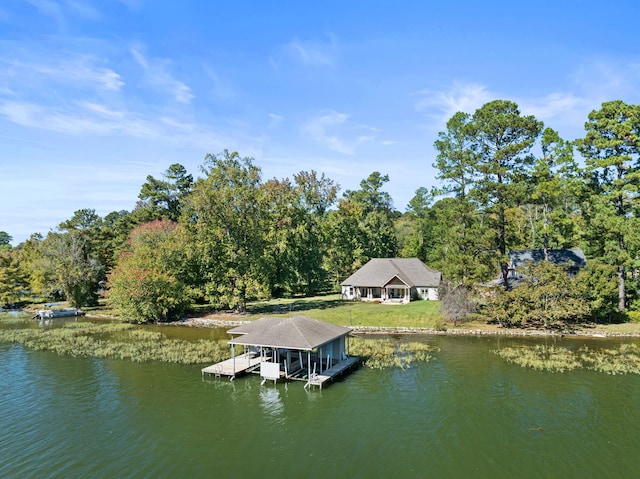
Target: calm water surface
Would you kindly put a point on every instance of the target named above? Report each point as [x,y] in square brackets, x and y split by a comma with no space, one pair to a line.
[465,414]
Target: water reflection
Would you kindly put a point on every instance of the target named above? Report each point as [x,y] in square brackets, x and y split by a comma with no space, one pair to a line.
[271,402]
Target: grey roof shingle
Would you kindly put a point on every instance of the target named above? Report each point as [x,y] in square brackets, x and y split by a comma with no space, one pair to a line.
[556,256]
[298,332]
[379,271]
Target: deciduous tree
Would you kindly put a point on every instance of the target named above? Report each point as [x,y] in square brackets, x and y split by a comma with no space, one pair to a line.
[14,281]
[361,228]
[226,220]
[70,268]
[545,296]
[148,283]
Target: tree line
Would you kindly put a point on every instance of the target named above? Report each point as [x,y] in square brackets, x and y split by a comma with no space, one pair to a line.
[505,181]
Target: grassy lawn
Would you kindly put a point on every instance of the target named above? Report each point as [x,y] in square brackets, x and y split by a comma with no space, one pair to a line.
[332,309]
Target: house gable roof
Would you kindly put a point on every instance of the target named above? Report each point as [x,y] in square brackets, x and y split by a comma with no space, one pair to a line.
[379,271]
[297,332]
[556,256]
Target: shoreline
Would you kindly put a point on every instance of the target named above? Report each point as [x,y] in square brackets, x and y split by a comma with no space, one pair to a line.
[497,331]
[232,320]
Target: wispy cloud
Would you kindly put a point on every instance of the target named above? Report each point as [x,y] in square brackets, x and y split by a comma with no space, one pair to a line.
[132,4]
[275,120]
[83,9]
[49,8]
[157,74]
[559,110]
[80,71]
[604,79]
[219,88]
[312,53]
[59,10]
[331,130]
[439,106]
[87,118]
[592,83]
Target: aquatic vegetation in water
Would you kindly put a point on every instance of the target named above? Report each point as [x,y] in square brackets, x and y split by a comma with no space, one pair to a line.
[17,319]
[134,343]
[117,341]
[622,360]
[386,353]
[545,358]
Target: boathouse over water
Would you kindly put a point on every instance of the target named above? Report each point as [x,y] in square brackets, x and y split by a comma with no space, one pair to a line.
[297,348]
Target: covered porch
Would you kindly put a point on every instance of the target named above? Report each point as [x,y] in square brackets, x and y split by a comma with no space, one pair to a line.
[394,292]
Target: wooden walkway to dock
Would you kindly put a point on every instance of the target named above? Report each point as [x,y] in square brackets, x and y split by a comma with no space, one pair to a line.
[234,366]
[329,374]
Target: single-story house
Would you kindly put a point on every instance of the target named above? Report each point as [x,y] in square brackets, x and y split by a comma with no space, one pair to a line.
[574,259]
[392,280]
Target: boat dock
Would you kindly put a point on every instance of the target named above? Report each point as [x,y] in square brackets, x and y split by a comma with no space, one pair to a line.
[58,313]
[296,348]
[233,366]
[332,372]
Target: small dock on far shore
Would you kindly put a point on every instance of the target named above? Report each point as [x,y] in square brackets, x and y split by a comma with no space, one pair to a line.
[233,366]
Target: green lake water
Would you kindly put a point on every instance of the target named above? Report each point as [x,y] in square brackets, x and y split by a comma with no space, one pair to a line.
[465,414]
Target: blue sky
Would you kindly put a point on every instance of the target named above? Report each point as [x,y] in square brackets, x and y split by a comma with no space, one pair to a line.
[96,95]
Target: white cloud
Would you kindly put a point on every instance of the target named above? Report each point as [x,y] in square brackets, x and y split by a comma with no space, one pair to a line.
[103,77]
[220,88]
[132,4]
[181,92]
[83,9]
[551,105]
[49,8]
[561,111]
[157,74]
[330,128]
[85,118]
[58,10]
[101,110]
[592,83]
[442,105]
[274,120]
[139,57]
[80,71]
[58,120]
[313,53]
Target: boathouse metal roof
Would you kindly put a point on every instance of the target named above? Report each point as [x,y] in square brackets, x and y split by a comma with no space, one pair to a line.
[379,271]
[297,332]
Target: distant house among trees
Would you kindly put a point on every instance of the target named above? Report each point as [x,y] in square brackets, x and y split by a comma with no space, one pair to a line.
[573,259]
[392,280]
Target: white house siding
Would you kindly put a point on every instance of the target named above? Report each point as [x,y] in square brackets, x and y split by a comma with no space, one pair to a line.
[392,280]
